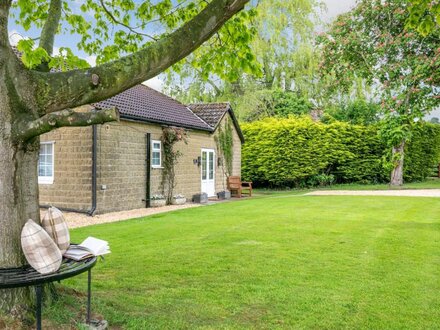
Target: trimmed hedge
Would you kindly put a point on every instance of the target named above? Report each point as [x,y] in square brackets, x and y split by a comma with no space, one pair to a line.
[295,152]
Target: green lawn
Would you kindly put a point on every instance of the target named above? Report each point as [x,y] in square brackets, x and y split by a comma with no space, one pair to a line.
[327,262]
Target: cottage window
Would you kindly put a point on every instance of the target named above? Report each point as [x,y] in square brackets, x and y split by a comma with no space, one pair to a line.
[46,163]
[156,154]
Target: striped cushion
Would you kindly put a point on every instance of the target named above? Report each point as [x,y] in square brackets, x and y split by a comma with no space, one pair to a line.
[40,250]
[56,226]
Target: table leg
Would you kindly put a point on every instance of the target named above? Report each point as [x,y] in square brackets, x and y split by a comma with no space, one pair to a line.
[89,295]
[38,307]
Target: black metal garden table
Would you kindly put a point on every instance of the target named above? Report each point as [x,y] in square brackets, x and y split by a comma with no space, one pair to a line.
[27,276]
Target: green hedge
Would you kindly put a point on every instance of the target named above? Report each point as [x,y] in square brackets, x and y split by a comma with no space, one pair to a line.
[299,152]
[422,153]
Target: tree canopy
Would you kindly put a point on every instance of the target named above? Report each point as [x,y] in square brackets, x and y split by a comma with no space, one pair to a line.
[371,42]
[277,29]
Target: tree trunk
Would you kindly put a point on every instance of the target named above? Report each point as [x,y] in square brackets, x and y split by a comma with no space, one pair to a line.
[18,191]
[397,173]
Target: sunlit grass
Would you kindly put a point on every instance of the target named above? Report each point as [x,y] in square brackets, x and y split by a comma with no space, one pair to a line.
[326,262]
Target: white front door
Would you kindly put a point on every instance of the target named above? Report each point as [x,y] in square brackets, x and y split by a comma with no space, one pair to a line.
[208,174]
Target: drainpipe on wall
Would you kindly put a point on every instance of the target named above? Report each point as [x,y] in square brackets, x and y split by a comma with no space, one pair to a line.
[94,161]
[92,210]
[147,199]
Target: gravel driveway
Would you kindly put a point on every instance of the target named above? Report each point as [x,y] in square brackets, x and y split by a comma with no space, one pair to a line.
[75,220]
[406,192]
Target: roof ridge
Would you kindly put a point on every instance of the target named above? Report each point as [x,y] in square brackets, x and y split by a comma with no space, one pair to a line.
[200,118]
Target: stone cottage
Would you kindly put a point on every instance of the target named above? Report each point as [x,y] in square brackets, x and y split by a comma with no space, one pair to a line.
[118,166]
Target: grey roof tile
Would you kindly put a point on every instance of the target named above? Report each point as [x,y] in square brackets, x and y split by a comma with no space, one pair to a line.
[213,113]
[146,104]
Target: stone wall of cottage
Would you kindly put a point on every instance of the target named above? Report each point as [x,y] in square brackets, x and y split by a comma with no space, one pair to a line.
[72,183]
[121,166]
[121,179]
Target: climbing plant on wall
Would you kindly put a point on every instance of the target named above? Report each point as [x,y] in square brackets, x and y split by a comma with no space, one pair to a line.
[225,145]
[170,136]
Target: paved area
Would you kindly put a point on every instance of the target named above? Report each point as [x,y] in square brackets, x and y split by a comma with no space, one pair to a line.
[403,192]
[75,220]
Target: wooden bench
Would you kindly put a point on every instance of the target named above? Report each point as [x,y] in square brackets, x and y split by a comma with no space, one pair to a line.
[238,187]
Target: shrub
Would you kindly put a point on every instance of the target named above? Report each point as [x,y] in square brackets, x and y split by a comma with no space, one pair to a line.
[297,152]
[423,152]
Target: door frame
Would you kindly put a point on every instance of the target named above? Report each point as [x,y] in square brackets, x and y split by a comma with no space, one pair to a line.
[207,150]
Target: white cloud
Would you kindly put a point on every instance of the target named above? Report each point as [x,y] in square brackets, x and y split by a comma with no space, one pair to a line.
[335,8]
[91,60]
[154,83]
[15,37]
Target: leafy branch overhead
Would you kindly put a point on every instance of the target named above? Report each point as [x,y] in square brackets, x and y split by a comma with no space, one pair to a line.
[111,29]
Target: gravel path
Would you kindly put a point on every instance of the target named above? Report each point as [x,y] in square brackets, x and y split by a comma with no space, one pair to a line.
[75,220]
[408,192]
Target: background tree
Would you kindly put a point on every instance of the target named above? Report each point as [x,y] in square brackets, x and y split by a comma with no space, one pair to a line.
[424,15]
[358,111]
[371,42]
[276,31]
[273,103]
[34,101]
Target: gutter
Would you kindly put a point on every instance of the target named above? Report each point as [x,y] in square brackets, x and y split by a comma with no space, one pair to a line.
[161,122]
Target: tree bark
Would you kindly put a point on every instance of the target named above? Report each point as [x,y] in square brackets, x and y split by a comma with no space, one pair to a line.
[33,102]
[18,192]
[398,157]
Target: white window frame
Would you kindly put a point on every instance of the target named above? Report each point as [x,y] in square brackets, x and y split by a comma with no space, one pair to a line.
[153,150]
[47,179]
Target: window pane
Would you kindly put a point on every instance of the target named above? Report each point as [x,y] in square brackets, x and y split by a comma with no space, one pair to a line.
[204,170]
[155,158]
[156,146]
[211,165]
[45,161]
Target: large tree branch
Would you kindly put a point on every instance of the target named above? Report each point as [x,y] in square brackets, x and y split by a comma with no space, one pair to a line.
[57,91]
[64,118]
[50,26]
[5,5]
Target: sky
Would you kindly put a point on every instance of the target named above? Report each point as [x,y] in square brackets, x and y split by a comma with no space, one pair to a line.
[334,8]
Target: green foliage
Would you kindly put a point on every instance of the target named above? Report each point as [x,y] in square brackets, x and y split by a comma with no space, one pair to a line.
[274,31]
[274,103]
[225,144]
[299,152]
[112,29]
[358,112]
[370,42]
[424,15]
[170,157]
[423,152]
[32,57]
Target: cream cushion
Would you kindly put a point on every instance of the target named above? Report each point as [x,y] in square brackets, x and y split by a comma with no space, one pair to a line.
[40,250]
[56,226]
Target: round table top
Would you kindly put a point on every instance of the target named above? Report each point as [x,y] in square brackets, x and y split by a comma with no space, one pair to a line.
[27,276]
